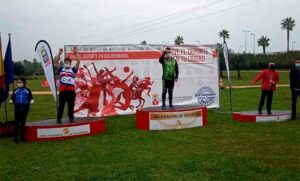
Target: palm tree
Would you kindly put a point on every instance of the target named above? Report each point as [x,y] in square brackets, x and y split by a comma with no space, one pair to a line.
[224,34]
[288,24]
[144,42]
[179,40]
[264,42]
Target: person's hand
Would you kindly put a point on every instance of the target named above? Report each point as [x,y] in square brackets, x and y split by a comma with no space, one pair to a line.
[60,51]
[75,50]
[32,101]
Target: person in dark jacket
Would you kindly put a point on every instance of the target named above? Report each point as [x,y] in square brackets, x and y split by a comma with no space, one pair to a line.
[21,98]
[295,86]
[270,78]
[169,77]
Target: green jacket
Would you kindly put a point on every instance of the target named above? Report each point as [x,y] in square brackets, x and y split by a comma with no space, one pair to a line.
[170,68]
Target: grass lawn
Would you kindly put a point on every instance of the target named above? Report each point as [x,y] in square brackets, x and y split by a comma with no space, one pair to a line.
[223,150]
[248,76]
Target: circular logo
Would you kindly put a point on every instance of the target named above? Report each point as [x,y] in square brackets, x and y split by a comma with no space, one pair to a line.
[205,96]
[126,69]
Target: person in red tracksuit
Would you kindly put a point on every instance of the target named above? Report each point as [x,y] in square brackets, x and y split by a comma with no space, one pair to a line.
[270,78]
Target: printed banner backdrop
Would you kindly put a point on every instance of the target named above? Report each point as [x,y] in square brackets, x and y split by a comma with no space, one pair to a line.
[118,79]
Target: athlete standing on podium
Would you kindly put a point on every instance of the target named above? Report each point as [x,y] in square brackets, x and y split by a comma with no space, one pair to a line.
[295,87]
[66,84]
[270,78]
[169,77]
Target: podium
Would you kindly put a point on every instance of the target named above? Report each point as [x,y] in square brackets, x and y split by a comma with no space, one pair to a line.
[181,117]
[49,130]
[253,116]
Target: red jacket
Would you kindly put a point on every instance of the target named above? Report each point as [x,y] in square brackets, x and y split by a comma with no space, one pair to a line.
[267,76]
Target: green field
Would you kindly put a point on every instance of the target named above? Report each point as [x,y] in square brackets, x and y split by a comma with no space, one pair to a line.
[248,76]
[223,150]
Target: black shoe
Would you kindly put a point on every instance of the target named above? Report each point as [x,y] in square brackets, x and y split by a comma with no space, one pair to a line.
[259,112]
[58,121]
[269,113]
[293,118]
[171,107]
[163,107]
[71,120]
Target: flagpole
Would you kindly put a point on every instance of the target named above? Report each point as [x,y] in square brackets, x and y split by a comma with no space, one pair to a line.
[56,101]
[229,77]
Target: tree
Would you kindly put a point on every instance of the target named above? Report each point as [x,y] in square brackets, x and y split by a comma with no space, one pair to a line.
[263,41]
[178,40]
[29,69]
[37,67]
[224,34]
[288,24]
[238,62]
[18,68]
[144,42]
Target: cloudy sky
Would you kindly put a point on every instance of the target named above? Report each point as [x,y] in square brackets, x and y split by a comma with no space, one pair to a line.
[156,21]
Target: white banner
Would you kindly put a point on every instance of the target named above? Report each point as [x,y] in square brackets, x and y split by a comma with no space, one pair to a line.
[65,131]
[44,55]
[118,79]
[175,120]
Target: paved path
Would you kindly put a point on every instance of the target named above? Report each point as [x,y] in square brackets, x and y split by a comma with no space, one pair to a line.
[253,86]
[226,87]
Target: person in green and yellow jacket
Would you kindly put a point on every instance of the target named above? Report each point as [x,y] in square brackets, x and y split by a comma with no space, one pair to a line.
[169,77]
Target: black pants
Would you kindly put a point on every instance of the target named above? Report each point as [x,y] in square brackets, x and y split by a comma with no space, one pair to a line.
[69,98]
[168,86]
[21,112]
[269,95]
[295,95]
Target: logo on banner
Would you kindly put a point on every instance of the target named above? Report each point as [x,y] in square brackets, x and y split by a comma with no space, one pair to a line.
[66,131]
[155,100]
[205,96]
[45,57]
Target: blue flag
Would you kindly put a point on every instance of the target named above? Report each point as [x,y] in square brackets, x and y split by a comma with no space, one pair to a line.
[2,85]
[8,68]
